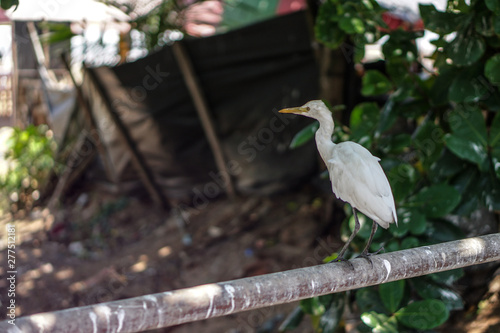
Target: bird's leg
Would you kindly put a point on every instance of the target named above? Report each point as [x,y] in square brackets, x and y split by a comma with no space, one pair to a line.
[370,239]
[365,254]
[357,226]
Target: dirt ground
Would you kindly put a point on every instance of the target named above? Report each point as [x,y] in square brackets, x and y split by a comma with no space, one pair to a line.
[102,248]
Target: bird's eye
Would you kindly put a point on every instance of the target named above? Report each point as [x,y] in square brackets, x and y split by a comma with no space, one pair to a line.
[308,108]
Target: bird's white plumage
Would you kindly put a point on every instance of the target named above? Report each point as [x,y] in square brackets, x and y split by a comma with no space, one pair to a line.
[355,174]
[358,179]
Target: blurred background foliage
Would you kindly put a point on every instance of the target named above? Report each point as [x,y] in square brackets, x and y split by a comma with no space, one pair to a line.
[438,136]
[30,160]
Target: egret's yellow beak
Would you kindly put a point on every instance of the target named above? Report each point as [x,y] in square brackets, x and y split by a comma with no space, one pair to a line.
[294,110]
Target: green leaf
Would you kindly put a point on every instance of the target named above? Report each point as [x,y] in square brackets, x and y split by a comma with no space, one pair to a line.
[494,142]
[436,201]
[388,116]
[409,243]
[413,108]
[468,85]
[364,120]
[352,25]
[447,278]
[467,48]
[331,319]
[418,223]
[304,135]
[379,322]
[493,5]
[492,69]
[440,231]
[400,48]
[423,315]
[312,306]
[391,294]
[375,83]
[496,25]
[440,89]
[402,179]
[395,144]
[366,226]
[428,139]
[428,289]
[6,4]
[326,28]
[469,138]
[368,299]
[470,183]
[467,150]
[441,23]
[397,68]
[484,23]
[293,320]
[447,165]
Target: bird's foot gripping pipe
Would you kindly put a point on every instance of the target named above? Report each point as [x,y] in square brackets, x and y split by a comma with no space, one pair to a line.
[342,259]
[367,256]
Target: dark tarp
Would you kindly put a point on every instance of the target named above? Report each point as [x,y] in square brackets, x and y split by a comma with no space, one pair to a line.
[247,75]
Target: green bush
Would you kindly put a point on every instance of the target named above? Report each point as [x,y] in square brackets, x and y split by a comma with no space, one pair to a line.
[30,158]
[438,135]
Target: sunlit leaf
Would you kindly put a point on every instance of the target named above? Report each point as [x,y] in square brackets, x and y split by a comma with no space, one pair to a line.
[379,322]
[352,25]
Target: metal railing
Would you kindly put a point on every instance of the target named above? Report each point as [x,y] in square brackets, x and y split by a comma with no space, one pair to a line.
[220,299]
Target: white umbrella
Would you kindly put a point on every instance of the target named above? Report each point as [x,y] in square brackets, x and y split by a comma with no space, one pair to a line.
[66,11]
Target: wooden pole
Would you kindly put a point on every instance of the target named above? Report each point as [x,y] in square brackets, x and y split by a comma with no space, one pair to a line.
[92,125]
[219,299]
[145,174]
[201,106]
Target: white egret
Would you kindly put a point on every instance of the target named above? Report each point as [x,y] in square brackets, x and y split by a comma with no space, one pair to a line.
[355,174]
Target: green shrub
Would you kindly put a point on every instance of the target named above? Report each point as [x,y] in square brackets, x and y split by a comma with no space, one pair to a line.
[438,136]
[30,158]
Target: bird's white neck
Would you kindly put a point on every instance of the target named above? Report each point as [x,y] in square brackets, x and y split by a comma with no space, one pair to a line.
[324,136]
